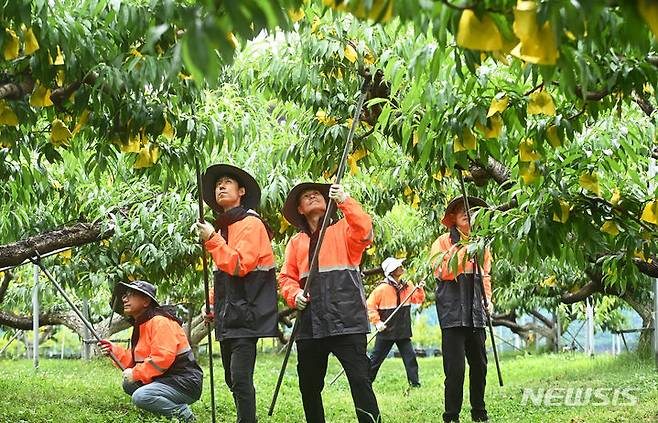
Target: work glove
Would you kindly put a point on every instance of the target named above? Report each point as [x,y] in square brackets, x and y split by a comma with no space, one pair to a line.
[380,326]
[301,301]
[203,230]
[337,193]
[209,318]
[490,308]
[128,375]
[104,346]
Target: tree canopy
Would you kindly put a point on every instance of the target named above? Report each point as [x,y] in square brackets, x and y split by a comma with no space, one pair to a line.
[546,107]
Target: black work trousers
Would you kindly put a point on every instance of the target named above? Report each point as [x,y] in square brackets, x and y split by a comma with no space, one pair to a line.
[406,349]
[350,350]
[239,359]
[457,343]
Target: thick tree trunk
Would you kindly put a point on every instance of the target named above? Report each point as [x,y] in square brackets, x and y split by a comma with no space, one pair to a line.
[78,234]
[642,306]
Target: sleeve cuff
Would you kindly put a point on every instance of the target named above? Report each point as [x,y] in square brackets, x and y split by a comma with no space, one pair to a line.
[214,241]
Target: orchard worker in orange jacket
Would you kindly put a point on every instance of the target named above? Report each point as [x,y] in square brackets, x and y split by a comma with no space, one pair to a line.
[245,297]
[461,311]
[334,318]
[383,300]
[161,373]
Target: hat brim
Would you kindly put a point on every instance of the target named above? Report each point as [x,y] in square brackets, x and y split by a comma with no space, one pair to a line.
[251,197]
[473,202]
[292,201]
[117,294]
[398,262]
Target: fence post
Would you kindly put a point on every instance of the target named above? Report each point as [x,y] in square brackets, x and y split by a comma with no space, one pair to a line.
[35,318]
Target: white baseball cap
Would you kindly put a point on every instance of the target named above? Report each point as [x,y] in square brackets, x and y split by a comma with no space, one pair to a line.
[390,264]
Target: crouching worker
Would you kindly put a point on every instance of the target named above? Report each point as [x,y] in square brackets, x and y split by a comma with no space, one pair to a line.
[161,374]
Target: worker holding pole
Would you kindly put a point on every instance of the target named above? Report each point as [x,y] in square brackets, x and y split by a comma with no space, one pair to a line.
[383,300]
[460,307]
[244,295]
[334,318]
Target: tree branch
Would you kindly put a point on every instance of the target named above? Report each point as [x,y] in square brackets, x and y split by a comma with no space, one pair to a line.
[585,291]
[493,169]
[593,95]
[25,322]
[648,268]
[545,320]
[16,91]
[372,272]
[78,234]
[644,104]
[60,95]
[5,284]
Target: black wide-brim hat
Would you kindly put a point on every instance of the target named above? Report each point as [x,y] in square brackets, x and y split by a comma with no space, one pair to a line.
[292,202]
[141,286]
[251,197]
[473,202]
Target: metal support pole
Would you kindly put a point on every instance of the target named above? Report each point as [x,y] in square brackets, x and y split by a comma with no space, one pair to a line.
[35,318]
[590,327]
[86,347]
[10,341]
[73,306]
[61,356]
[558,331]
[534,323]
[655,321]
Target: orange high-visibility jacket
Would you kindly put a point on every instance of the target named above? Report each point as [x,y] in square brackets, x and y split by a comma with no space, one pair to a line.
[244,295]
[459,297]
[384,299]
[338,304]
[163,354]
[442,270]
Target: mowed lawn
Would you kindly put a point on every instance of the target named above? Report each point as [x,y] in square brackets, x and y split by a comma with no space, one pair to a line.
[78,391]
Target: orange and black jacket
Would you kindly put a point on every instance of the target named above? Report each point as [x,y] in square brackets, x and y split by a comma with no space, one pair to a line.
[459,298]
[338,303]
[384,299]
[160,352]
[245,297]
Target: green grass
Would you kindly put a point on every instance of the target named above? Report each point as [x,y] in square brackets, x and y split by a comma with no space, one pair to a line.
[77,391]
